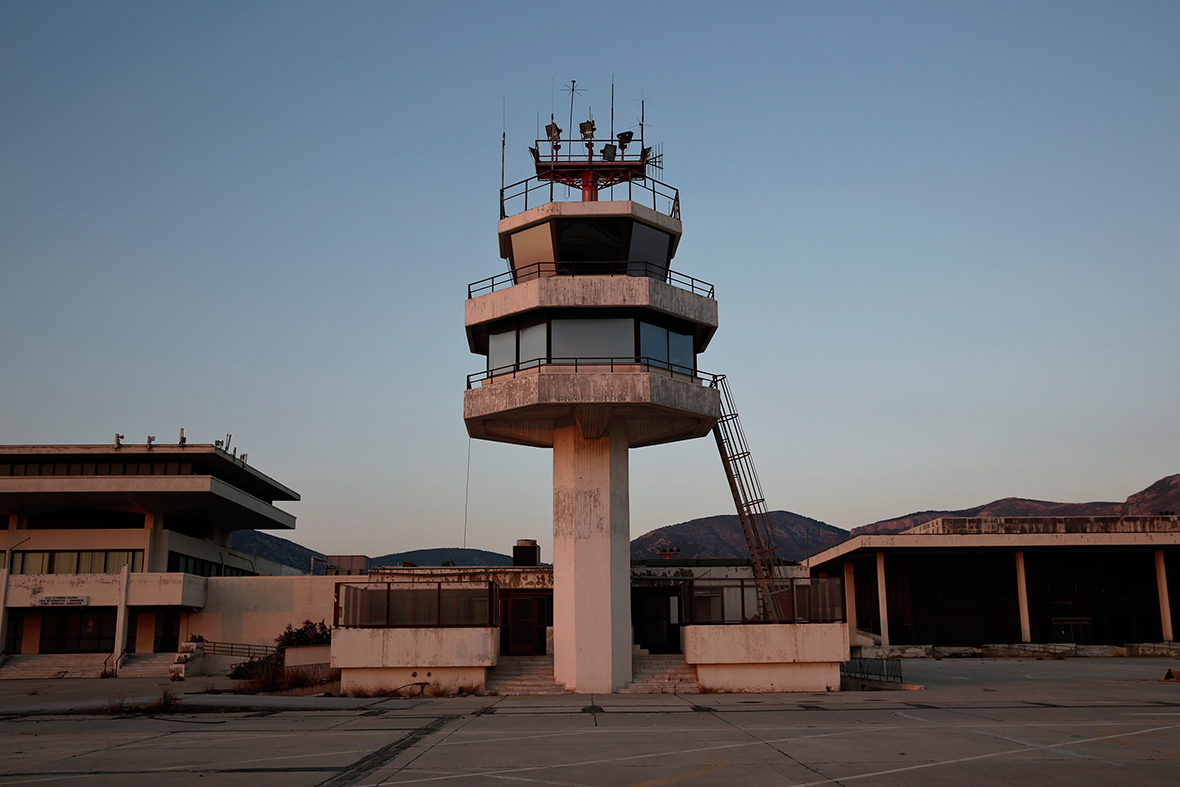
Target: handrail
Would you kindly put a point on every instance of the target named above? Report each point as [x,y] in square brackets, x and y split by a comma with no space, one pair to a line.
[646,185]
[594,364]
[237,649]
[542,270]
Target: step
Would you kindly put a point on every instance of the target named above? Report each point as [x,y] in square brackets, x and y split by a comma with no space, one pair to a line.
[52,666]
[147,665]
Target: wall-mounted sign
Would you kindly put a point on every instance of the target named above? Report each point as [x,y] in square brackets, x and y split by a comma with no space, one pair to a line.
[62,601]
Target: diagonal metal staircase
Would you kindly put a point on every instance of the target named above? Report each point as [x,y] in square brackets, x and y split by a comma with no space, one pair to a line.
[774,590]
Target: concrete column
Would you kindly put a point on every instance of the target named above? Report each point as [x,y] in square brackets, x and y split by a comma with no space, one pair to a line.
[150,526]
[850,602]
[881,606]
[3,606]
[1022,599]
[591,559]
[122,620]
[1161,581]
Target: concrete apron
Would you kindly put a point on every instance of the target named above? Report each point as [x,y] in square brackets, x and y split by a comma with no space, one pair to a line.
[591,557]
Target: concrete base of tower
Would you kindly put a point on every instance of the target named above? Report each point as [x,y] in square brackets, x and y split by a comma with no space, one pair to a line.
[591,557]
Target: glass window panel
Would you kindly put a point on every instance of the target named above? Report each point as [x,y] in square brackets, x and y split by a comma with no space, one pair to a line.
[533,344]
[95,562]
[137,560]
[501,349]
[33,563]
[680,353]
[529,247]
[425,607]
[651,246]
[590,240]
[653,343]
[115,561]
[593,339]
[65,562]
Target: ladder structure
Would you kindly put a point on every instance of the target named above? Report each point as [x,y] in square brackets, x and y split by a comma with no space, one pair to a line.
[774,591]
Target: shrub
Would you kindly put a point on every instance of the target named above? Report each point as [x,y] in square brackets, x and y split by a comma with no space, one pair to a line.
[307,634]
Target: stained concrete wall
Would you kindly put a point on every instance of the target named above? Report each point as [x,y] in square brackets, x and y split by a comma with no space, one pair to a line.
[766,643]
[767,657]
[405,681]
[144,590]
[255,610]
[358,648]
[756,678]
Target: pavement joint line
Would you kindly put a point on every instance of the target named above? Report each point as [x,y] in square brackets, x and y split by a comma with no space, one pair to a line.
[650,755]
[770,746]
[383,756]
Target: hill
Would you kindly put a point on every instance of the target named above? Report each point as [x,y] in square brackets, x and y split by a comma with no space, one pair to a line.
[1163,495]
[288,553]
[274,548]
[721,537]
[436,557]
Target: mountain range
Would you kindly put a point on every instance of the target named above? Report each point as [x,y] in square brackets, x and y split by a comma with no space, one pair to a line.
[721,536]
[1163,495]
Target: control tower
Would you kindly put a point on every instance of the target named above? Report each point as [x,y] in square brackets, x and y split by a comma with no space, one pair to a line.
[591,342]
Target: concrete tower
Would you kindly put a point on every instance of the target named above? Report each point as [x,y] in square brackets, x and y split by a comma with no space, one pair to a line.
[591,343]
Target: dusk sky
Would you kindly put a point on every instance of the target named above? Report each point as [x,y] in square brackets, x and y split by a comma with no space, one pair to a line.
[944,239]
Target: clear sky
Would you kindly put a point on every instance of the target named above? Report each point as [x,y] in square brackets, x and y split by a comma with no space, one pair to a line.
[944,238]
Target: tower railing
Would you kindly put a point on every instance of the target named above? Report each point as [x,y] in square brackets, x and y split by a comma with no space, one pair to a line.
[531,192]
[610,268]
[775,599]
[590,364]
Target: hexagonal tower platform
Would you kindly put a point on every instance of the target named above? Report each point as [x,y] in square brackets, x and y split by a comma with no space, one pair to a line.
[591,342]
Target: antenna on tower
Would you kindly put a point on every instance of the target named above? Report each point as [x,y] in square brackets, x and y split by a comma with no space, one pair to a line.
[573,90]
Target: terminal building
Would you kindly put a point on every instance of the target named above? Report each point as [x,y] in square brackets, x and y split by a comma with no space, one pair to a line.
[973,582]
[107,547]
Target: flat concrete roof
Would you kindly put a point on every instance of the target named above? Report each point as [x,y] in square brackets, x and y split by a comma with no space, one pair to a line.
[220,463]
[219,486]
[1023,533]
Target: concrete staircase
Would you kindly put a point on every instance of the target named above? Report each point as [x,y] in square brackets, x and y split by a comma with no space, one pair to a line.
[659,674]
[522,675]
[147,665]
[50,666]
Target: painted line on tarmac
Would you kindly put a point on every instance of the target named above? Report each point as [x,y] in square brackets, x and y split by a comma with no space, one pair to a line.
[891,771]
[585,763]
[608,760]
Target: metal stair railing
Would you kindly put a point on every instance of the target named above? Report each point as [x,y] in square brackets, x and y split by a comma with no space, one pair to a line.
[774,594]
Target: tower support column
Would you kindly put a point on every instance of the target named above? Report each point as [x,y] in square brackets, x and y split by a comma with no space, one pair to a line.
[591,556]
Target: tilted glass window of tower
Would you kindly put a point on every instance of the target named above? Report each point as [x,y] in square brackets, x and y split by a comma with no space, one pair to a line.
[569,340]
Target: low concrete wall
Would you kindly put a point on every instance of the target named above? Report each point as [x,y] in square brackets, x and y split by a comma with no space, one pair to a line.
[776,643]
[368,648]
[760,678]
[302,655]
[434,682]
[768,657]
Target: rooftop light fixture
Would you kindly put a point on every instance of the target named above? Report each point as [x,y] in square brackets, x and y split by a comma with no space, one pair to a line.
[608,152]
[587,129]
[553,132]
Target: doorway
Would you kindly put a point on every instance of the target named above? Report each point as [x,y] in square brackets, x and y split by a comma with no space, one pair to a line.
[657,615]
[525,619]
